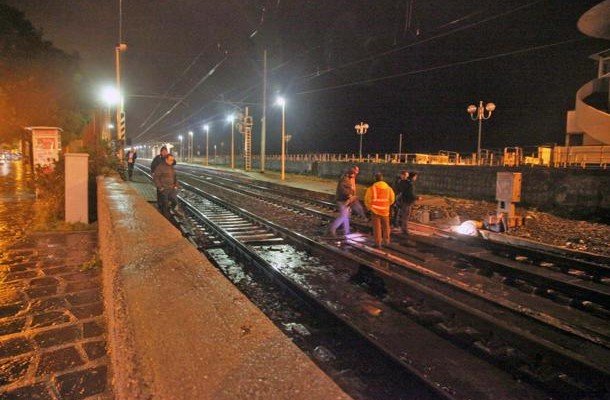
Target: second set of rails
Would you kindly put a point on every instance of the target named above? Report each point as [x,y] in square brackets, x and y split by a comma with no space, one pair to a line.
[468,317]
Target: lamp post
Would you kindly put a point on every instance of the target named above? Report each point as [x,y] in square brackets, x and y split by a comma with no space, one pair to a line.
[287,138]
[180,154]
[190,154]
[282,102]
[120,113]
[231,120]
[361,129]
[480,116]
[206,128]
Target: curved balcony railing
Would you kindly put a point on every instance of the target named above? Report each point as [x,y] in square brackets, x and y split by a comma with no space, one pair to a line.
[592,120]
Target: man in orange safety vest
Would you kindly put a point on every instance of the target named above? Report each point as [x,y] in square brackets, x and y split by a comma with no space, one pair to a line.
[378,198]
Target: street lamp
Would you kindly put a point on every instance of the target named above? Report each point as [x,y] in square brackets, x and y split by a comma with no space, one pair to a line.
[288,137]
[206,128]
[361,129]
[231,119]
[180,154]
[480,115]
[282,102]
[190,153]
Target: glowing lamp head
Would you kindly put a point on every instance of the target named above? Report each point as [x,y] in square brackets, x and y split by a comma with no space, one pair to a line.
[110,95]
[471,109]
[206,127]
[280,101]
[190,133]
[490,107]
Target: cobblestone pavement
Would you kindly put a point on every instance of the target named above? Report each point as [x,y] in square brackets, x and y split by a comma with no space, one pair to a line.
[52,329]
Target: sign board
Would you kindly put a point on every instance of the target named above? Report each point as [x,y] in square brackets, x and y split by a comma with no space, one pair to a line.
[508,187]
[46,145]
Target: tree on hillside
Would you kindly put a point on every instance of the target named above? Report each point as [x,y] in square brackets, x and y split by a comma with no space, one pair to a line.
[38,82]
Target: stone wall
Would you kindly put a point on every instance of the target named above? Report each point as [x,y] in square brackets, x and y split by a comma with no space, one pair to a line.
[576,193]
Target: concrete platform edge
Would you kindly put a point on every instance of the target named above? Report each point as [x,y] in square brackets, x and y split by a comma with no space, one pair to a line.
[177,327]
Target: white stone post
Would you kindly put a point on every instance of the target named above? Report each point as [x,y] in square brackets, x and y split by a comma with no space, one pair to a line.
[77,184]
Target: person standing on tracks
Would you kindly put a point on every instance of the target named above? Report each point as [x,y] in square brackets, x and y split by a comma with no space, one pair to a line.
[407,199]
[132,155]
[345,196]
[378,198]
[356,205]
[166,182]
[399,188]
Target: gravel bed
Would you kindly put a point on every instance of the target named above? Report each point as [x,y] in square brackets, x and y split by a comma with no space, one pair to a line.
[539,226]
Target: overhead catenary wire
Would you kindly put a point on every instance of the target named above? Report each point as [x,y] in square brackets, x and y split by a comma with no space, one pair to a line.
[444,66]
[318,74]
[180,101]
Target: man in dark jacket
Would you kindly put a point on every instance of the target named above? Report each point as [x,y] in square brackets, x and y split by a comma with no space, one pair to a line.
[406,200]
[165,180]
[399,186]
[159,158]
[345,196]
[132,155]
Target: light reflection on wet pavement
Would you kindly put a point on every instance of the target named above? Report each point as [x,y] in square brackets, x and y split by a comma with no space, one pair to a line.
[16,200]
[52,329]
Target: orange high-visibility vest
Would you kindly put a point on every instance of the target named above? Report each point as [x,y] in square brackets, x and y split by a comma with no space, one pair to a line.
[380,201]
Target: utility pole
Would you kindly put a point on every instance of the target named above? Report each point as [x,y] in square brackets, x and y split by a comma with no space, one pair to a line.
[120,113]
[264,119]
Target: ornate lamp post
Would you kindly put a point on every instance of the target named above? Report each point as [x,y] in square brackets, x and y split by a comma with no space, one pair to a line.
[480,116]
[361,129]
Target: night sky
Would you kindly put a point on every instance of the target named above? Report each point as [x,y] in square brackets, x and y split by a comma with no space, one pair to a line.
[406,67]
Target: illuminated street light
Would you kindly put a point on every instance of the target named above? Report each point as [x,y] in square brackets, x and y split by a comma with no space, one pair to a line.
[206,128]
[480,116]
[282,102]
[110,95]
[180,154]
[231,120]
[361,129]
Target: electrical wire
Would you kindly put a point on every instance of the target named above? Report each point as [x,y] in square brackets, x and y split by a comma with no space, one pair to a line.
[444,66]
[191,91]
[318,74]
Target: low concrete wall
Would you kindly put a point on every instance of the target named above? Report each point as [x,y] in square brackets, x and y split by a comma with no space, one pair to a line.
[178,329]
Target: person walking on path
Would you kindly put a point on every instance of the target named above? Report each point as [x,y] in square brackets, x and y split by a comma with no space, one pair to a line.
[407,199]
[166,182]
[356,204]
[158,160]
[378,198]
[344,197]
[132,155]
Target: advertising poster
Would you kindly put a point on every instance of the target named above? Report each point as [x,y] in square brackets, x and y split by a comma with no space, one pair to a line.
[45,147]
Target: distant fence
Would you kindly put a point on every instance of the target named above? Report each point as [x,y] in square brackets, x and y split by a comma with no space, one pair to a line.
[557,157]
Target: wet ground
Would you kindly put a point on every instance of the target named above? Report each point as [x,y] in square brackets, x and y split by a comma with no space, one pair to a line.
[52,329]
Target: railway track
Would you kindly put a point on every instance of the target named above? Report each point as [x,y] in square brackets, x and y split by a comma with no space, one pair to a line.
[464,325]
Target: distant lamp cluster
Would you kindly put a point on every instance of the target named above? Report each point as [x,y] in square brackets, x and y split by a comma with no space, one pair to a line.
[480,116]
[361,129]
